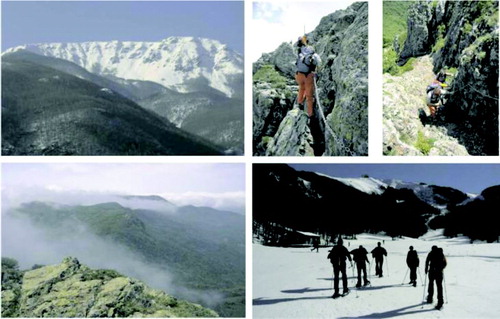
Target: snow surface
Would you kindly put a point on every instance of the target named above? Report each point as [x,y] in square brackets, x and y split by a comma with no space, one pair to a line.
[297,283]
[179,63]
[367,185]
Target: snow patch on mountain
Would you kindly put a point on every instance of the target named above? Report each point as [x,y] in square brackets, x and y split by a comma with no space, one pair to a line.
[367,185]
[185,64]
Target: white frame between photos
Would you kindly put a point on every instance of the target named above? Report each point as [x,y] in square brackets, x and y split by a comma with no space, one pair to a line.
[375,135]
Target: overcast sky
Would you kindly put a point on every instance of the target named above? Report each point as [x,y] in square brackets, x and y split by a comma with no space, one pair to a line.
[25,22]
[215,185]
[470,178]
[283,21]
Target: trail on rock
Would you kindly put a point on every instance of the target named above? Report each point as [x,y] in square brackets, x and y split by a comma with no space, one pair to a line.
[404,132]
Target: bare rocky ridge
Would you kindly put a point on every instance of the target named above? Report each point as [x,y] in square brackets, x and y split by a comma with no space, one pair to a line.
[70,289]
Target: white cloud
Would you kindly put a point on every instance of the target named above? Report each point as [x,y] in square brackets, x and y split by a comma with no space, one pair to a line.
[231,201]
[277,22]
[94,182]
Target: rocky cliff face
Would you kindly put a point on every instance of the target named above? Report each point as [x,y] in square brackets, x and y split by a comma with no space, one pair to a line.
[462,35]
[70,289]
[341,39]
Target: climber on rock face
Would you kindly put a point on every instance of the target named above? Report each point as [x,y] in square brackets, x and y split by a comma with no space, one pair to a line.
[435,99]
[436,92]
[307,63]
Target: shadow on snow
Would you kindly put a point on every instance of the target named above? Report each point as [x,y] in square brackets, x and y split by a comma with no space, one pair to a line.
[394,313]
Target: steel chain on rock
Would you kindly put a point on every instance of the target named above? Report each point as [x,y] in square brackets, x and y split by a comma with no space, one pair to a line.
[329,128]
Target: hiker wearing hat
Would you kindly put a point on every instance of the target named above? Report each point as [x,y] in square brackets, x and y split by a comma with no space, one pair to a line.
[337,257]
[307,62]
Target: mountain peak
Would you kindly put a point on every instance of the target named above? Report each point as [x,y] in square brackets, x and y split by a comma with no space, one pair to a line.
[184,64]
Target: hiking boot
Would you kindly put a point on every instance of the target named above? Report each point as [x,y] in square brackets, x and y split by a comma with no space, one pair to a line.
[367,283]
[414,284]
[439,305]
[335,295]
[358,285]
[345,291]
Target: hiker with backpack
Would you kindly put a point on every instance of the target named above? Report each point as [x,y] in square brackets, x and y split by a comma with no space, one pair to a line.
[436,92]
[412,261]
[360,258]
[338,256]
[378,254]
[435,97]
[307,62]
[434,266]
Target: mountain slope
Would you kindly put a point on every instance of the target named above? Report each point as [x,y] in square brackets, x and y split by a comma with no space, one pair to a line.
[306,201]
[208,114]
[185,64]
[70,289]
[196,253]
[45,112]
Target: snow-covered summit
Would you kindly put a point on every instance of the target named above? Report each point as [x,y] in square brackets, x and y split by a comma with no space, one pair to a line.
[367,185]
[185,64]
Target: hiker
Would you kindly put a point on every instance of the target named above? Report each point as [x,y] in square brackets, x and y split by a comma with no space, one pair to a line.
[441,77]
[307,62]
[359,255]
[337,257]
[434,266]
[378,254]
[315,245]
[434,99]
[412,261]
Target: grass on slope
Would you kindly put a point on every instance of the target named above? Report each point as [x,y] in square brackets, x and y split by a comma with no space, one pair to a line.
[395,14]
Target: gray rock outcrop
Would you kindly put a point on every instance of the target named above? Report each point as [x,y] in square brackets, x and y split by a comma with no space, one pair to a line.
[70,289]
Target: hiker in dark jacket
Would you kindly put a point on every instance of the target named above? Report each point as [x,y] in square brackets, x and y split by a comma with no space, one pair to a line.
[315,245]
[338,256]
[360,258]
[434,266]
[378,254]
[413,262]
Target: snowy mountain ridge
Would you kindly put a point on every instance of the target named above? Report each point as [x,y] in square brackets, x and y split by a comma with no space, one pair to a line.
[184,64]
[367,185]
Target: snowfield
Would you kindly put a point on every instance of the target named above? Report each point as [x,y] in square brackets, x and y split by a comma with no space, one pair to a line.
[297,283]
[178,63]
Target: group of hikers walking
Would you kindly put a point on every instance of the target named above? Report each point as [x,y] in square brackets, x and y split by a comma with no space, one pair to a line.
[434,266]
